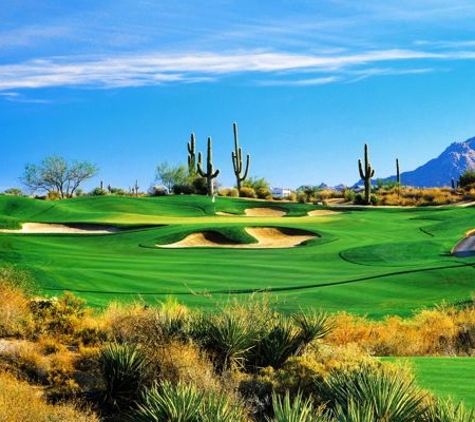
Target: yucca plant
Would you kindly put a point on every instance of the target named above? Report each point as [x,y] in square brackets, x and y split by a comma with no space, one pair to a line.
[180,403]
[185,403]
[277,345]
[296,410]
[228,336]
[221,408]
[352,413]
[390,394]
[122,367]
[447,411]
[313,326]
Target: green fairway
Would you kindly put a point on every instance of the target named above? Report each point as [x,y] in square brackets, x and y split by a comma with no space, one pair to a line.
[374,261]
[445,377]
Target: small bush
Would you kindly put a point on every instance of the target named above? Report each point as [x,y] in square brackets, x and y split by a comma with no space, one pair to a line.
[99,192]
[20,402]
[231,192]
[53,196]
[263,193]
[296,410]
[158,191]
[247,192]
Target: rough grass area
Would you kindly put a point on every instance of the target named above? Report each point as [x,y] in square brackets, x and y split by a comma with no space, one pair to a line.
[445,376]
[366,261]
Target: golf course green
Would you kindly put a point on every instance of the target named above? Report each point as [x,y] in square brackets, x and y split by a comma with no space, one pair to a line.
[367,261]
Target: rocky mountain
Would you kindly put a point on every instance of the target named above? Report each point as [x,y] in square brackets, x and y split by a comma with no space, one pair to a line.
[439,171]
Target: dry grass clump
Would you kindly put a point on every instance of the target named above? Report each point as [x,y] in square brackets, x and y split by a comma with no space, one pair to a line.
[20,402]
[444,331]
[407,196]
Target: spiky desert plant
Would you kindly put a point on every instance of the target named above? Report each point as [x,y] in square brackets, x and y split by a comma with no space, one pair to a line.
[192,155]
[229,337]
[277,345]
[219,407]
[392,396]
[296,410]
[448,411]
[165,402]
[453,183]
[312,326]
[122,368]
[366,173]
[237,160]
[210,173]
[352,413]
[136,188]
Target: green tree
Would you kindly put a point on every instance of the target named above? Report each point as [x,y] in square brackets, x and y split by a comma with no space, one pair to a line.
[467,178]
[56,174]
[171,175]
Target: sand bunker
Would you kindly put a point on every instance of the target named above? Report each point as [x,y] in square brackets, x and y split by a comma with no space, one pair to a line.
[227,214]
[44,228]
[316,213]
[267,238]
[266,212]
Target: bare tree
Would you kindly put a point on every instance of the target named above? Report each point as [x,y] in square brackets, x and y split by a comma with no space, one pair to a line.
[56,174]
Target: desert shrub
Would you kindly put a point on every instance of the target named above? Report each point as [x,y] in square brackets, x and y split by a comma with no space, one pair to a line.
[60,377]
[200,185]
[123,368]
[231,192]
[20,402]
[298,410]
[447,411]
[374,199]
[183,189]
[53,196]
[263,193]
[349,195]
[59,316]
[247,192]
[292,197]
[301,197]
[15,316]
[467,178]
[185,403]
[99,192]
[228,336]
[391,395]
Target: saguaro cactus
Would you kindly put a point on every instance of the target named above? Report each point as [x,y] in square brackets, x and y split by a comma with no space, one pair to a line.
[237,160]
[136,188]
[398,178]
[453,183]
[366,174]
[192,155]
[210,173]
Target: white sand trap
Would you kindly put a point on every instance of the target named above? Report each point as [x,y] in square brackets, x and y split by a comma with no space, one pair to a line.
[466,247]
[317,213]
[267,238]
[44,228]
[227,214]
[266,212]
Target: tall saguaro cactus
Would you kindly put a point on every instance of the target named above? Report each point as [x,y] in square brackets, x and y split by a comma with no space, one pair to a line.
[398,173]
[237,160]
[210,173]
[192,155]
[366,174]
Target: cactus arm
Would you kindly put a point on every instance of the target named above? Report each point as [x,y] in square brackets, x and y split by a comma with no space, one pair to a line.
[247,167]
[360,165]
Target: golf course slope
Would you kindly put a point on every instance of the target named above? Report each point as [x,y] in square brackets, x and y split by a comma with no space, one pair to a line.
[367,261]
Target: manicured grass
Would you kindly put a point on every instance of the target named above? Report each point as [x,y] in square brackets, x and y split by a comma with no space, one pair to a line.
[445,377]
[374,261]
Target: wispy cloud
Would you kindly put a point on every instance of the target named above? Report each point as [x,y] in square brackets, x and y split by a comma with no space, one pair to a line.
[154,68]
[301,82]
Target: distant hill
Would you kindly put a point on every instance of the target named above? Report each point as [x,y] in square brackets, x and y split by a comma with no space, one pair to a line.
[439,171]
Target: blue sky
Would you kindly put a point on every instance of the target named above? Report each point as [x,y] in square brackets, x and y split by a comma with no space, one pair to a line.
[123,83]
